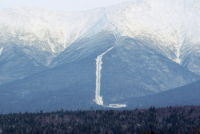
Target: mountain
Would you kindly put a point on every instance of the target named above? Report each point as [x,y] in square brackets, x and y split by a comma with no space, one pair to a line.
[181,96]
[77,60]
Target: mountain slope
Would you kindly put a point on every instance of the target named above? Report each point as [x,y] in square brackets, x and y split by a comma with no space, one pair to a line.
[172,26]
[186,95]
[135,70]
[16,64]
[155,47]
[72,85]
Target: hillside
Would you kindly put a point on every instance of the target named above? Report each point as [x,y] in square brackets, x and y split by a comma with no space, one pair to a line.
[186,95]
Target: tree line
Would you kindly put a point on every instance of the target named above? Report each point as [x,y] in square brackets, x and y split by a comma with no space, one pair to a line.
[169,120]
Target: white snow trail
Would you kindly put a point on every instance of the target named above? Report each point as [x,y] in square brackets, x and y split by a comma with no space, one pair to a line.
[98,98]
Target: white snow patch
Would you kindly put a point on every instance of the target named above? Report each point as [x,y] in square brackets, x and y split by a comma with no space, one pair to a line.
[1,50]
[178,60]
[117,105]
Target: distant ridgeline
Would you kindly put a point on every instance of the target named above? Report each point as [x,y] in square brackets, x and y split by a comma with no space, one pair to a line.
[167,120]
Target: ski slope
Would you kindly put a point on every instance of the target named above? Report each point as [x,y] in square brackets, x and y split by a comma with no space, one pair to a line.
[98,97]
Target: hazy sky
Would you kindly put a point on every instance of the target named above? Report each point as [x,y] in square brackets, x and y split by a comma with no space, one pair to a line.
[64,5]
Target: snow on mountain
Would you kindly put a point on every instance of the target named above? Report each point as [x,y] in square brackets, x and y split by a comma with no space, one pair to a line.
[155,47]
[1,50]
[48,30]
[169,25]
[172,27]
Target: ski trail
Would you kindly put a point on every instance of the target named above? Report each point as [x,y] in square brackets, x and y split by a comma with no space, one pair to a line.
[98,98]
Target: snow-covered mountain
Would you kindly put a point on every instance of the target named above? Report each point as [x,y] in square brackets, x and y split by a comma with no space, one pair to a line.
[170,25]
[46,30]
[155,47]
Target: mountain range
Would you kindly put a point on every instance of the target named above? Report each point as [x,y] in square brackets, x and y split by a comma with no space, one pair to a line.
[105,57]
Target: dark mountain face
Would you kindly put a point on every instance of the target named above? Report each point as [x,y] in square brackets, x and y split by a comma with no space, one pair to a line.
[181,96]
[16,64]
[138,71]
[125,73]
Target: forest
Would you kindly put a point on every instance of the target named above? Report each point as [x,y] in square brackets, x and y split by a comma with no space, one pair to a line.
[168,120]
